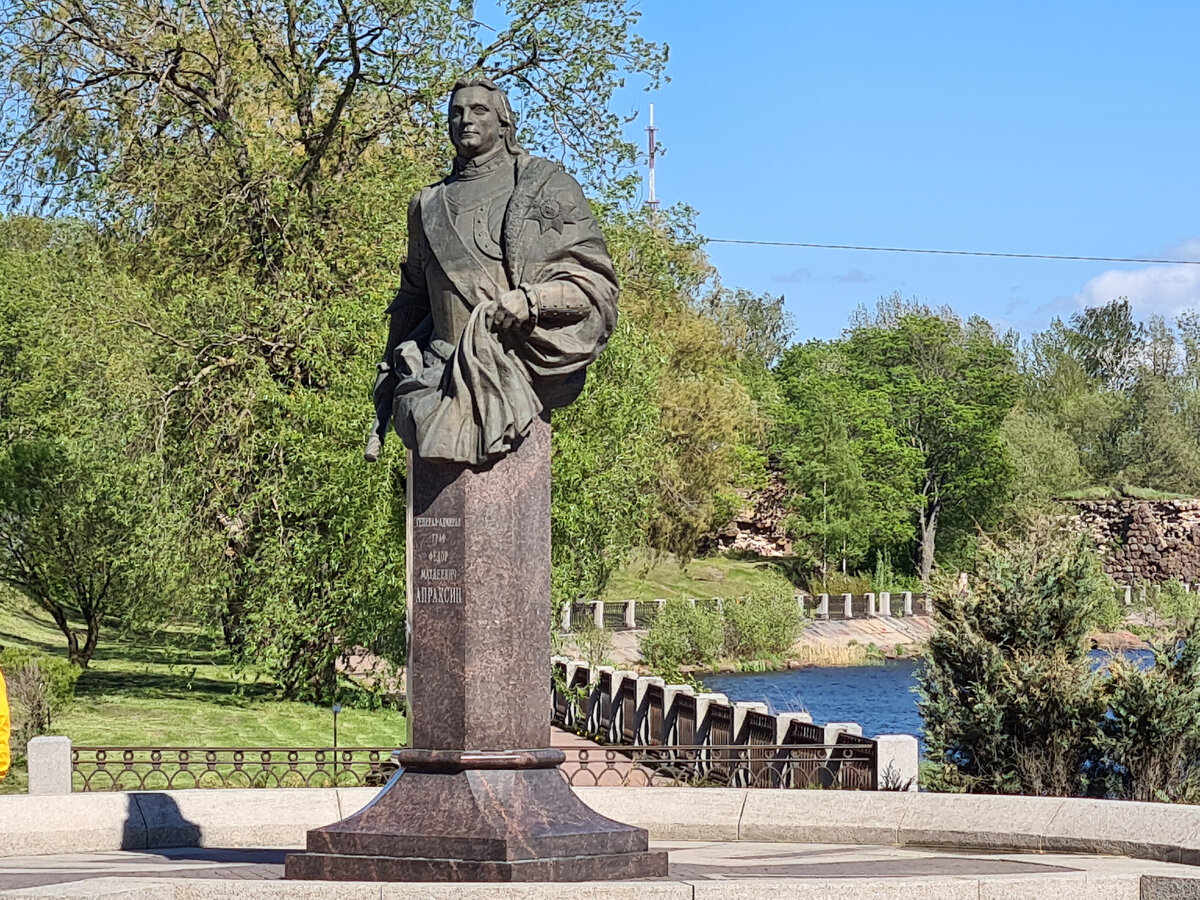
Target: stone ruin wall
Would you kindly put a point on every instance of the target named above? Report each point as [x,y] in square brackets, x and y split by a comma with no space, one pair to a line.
[758,526]
[1144,540]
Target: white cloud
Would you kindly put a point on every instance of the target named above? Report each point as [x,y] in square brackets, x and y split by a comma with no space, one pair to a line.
[796,276]
[1164,289]
[854,276]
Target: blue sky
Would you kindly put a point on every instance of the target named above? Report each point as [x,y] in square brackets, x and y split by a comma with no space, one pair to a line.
[1051,127]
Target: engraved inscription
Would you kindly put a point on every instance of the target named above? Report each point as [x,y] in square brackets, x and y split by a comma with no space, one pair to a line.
[434,582]
[426,594]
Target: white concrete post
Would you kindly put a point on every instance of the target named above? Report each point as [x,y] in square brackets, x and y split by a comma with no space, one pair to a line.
[642,726]
[833,729]
[566,617]
[740,708]
[896,762]
[49,761]
[906,596]
[574,666]
[670,692]
[616,726]
[847,606]
[928,601]
[644,682]
[822,606]
[784,720]
[871,610]
[1128,596]
[631,614]
[660,604]
[800,598]
[598,613]
[885,603]
[703,702]
[692,602]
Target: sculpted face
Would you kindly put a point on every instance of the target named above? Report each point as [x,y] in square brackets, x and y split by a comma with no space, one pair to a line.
[474,122]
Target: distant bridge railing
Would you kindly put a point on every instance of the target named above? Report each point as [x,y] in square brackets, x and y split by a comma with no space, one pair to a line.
[707,738]
[628,615]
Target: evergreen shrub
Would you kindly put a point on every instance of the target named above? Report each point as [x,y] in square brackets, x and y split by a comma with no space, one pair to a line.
[1150,736]
[1009,698]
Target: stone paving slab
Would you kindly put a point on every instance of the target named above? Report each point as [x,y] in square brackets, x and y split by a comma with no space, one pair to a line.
[700,870]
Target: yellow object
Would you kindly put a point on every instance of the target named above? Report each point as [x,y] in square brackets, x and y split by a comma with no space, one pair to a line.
[5,756]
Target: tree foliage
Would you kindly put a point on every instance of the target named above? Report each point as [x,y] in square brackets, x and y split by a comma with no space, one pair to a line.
[239,166]
[899,420]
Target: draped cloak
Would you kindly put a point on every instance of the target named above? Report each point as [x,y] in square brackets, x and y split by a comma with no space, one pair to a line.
[461,392]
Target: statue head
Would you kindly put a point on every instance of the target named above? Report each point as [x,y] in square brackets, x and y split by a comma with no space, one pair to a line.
[480,118]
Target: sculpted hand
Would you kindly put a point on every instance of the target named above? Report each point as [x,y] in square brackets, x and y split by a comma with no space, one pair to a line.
[512,312]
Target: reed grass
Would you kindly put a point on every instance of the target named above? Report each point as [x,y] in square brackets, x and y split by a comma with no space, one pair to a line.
[836,654]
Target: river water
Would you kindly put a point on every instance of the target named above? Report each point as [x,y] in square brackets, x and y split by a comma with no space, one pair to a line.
[880,698]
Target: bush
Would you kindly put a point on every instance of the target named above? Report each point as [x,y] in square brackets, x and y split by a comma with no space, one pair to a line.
[682,635]
[1175,606]
[39,687]
[1007,693]
[1150,742]
[836,583]
[767,621]
[595,643]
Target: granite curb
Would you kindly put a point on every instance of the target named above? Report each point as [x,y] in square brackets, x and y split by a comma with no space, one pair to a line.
[1025,887]
[85,823]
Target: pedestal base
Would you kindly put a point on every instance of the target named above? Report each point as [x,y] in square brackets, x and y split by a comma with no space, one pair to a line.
[512,818]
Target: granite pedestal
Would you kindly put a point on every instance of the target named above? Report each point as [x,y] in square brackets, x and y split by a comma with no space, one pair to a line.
[479,798]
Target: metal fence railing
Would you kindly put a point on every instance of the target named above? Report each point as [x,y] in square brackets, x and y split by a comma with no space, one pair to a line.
[847,765]
[177,768]
[828,766]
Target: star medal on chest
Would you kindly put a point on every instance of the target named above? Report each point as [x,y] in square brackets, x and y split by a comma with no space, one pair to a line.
[553,213]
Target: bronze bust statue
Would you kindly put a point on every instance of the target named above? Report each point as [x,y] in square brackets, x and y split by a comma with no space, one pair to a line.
[507,295]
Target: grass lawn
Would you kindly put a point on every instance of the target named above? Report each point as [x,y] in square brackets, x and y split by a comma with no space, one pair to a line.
[648,579]
[180,690]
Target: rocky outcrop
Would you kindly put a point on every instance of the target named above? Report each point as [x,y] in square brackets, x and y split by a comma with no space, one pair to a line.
[757,528]
[1144,540]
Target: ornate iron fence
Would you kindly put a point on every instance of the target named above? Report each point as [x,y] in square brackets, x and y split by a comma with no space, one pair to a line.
[730,765]
[175,768]
[835,766]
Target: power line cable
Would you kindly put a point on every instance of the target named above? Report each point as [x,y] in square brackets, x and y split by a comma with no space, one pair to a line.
[809,246]
[1119,259]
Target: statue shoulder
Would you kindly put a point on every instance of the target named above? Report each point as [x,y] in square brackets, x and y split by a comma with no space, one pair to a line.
[546,176]
[414,204]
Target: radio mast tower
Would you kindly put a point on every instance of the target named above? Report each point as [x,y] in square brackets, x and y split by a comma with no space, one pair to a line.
[652,152]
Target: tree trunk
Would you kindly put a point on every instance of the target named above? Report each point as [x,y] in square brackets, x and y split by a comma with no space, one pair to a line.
[89,644]
[59,615]
[928,540]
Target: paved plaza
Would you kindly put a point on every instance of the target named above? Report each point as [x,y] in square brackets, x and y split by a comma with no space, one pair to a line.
[745,869]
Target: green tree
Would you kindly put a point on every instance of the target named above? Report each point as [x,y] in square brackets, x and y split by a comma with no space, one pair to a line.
[949,385]
[80,492]
[848,470]
[66,541]
[1044,458]
[1108,343]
